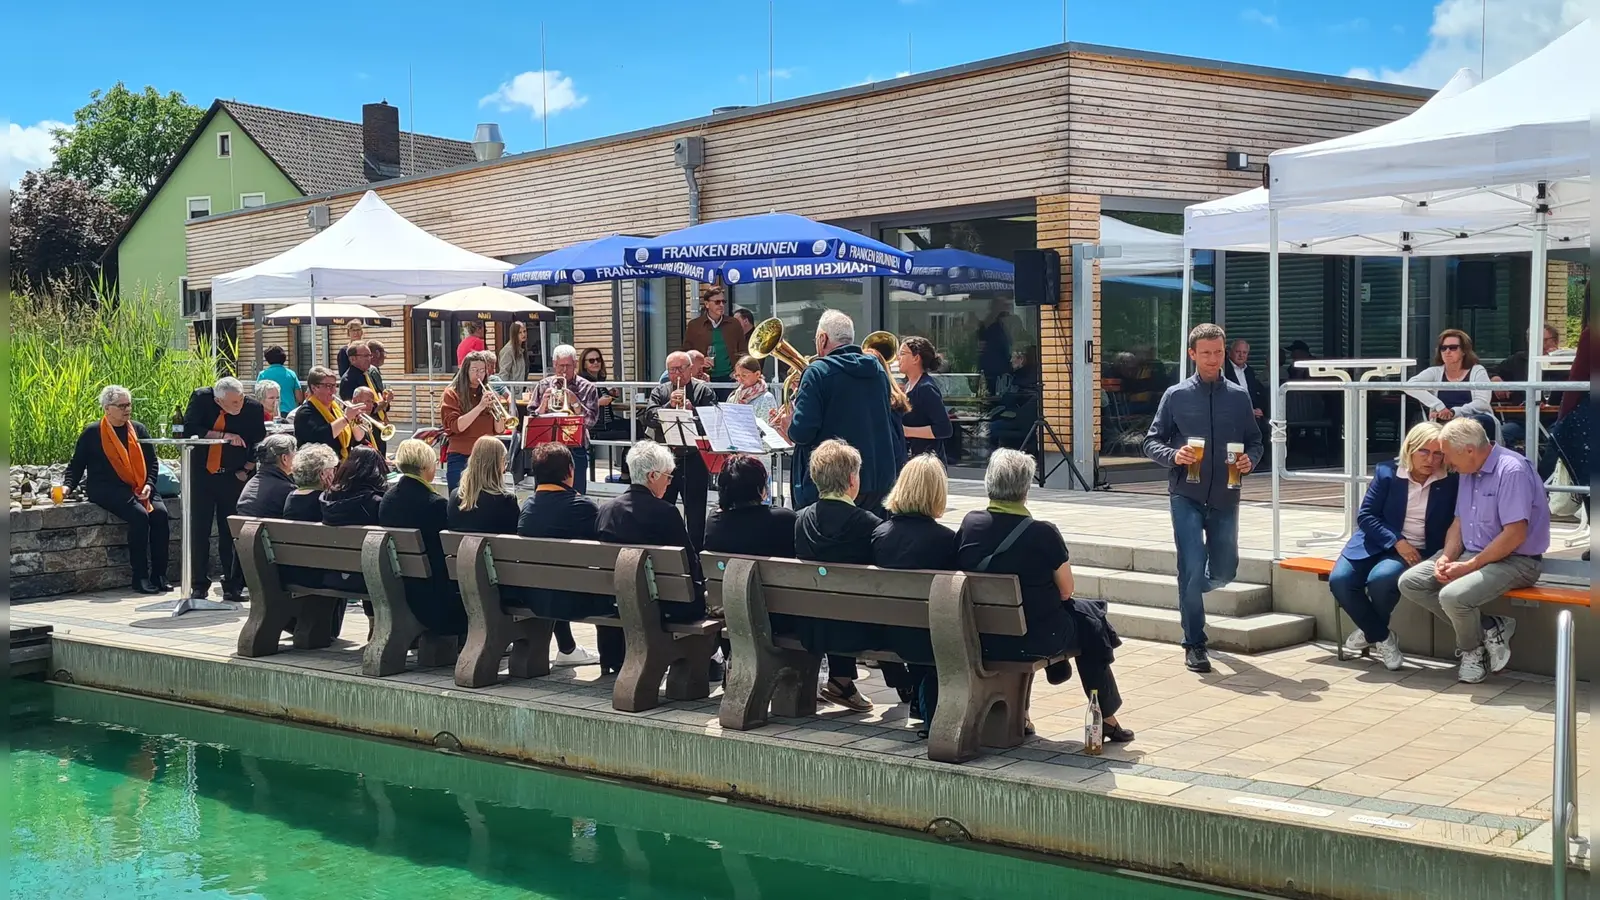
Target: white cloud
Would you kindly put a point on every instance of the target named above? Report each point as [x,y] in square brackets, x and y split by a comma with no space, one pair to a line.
[532,89]
[874,79]
[781,74]
[1516,29]
[25,147]
[1257,17]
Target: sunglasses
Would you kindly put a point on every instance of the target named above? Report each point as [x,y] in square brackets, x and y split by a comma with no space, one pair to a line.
[1444,348]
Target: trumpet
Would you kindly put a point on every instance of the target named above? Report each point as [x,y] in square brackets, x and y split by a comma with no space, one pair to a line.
[383,430]
[767,340]
[497,408]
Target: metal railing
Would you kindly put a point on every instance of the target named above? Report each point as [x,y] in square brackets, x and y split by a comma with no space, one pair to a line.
[1354,473]
[1564,836]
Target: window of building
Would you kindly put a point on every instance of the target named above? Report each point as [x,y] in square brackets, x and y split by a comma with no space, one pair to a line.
[224,145]
[251,201]
[199,206]
[303,357]
[196,301]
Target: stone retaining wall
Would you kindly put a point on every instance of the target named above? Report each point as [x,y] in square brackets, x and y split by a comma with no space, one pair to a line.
[77,548]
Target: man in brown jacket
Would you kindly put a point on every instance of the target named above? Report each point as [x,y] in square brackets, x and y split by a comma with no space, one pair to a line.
[716,334]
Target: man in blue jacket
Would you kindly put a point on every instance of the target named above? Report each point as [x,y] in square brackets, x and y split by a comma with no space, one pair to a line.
[1205,514]
[844,394]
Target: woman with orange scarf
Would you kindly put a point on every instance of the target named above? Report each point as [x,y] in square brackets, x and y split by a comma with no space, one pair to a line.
[120,476]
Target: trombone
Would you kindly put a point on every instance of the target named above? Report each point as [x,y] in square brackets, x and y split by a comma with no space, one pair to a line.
[384,430]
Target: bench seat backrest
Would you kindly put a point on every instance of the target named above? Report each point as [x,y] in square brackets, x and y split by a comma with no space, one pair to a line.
[576,566]
[868,594]
[304,546]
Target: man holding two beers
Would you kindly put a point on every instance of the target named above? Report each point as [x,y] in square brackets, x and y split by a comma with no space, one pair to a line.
[1205,431]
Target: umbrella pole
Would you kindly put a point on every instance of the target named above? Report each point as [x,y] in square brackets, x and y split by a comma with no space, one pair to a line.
[1536,305]
[1273,350]
[213,335]
[1183,323]
[544,349]
[314,326]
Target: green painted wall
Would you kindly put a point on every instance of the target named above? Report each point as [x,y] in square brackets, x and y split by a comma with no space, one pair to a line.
[152,257]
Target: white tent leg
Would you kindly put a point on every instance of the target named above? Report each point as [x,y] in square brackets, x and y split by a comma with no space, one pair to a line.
[1273,351]
[315,356]
[1536,302]
[1183,319]
[1405,304]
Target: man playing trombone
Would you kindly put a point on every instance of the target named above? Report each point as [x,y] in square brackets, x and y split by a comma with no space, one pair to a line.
[568,392]
[322,419]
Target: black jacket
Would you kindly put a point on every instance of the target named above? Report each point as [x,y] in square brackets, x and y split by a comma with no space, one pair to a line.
[698,393]
[639,517]
[845,395]
[1218,411]
[757,530]
[558,514]
[1252,384]
[836,532]
[90,466]
[435,601]
[302,507]
[912,542]
[493,514]
[351,507]
[265,494]
[311,428]
[250,425]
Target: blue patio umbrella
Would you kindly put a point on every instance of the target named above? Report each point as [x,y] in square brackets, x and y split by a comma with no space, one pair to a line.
[585,261]
[769,247]
[946,270]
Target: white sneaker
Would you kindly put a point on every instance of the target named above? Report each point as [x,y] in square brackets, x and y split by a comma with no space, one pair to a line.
[580,656]
[1357,642]
[1389,652]
[1497,641]
[1474,666]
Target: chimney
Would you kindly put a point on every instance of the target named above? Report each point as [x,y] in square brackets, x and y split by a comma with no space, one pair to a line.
[380,141]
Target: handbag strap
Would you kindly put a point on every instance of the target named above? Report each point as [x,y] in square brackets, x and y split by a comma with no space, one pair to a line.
[983,564]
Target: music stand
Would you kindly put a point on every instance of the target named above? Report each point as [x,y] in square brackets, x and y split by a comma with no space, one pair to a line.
[679,428]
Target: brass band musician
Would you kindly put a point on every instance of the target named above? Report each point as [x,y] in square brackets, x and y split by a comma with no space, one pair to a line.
[322,419]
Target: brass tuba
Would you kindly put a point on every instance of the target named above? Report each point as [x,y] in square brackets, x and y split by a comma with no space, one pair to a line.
[558,405]
[885,346]
[767,340]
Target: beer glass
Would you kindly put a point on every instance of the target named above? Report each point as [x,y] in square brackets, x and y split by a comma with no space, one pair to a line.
[58,493]
[1198,445]
[1235,453]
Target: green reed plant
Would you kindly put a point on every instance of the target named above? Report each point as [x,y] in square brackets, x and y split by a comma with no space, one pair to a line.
[63,353]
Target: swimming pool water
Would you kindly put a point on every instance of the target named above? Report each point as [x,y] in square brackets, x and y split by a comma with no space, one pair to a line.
[115,797]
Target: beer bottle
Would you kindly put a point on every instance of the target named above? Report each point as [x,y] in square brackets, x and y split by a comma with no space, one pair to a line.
[1093,727]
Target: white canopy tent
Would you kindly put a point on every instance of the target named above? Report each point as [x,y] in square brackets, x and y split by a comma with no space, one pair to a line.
[1145,251]
[370,251]
[1523,136]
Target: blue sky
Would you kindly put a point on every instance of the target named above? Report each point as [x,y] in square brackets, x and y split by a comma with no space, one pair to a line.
[633,63]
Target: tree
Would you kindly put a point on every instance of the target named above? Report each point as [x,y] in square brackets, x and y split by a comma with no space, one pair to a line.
[59,229]
[121,142]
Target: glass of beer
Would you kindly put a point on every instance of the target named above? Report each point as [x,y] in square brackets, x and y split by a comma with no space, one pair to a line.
[58,493]
[1235,453]
[1198,445]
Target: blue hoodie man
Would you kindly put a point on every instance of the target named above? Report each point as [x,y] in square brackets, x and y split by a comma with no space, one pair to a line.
[844,394]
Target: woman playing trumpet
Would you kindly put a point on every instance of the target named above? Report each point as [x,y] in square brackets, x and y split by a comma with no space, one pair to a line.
[467,412]
[322,419]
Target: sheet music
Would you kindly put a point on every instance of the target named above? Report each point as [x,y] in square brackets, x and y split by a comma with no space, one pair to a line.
[770,438]
[731,428]
[678,426]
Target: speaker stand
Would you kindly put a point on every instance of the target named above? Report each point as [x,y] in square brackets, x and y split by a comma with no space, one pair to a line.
[1040,430]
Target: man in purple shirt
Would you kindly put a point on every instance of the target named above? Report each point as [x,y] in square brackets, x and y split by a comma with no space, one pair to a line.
[1496,544]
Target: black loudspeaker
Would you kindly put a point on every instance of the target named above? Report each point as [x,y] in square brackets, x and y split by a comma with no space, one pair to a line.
[1038,278]
[1475,284]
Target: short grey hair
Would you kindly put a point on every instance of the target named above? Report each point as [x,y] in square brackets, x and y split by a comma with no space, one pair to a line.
[310,462]
[114,393]
[228,385]
[838,326]
[564,351]
[833,463]
[1009,476]
[265,385]
[273,448]
[1464,433]
[648,457]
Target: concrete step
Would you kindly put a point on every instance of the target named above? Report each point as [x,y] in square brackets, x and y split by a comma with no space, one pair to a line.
[1255,567]
[1236,598]
[1246,634]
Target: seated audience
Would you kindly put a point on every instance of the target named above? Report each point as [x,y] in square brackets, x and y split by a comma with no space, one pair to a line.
[1496,543]
[412,502]
[1454,360]
[1005,539]
[263,495]
[481,504]
[555,509]
[835,530]
[314,466]
[639,516]
[119,476]
[745,523]
[1403,520]
[912,538]
[353,498]
[270,395]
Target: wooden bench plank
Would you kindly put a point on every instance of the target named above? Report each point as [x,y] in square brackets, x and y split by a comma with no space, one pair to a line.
[335,559]
[315,534]
[563,552]
[872,610]
[1322,568]
[669,588]
[866,581]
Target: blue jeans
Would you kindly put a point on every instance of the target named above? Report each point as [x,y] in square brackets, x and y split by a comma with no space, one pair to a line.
[454,465]
[580,469]
[1368,589]
[1207,538]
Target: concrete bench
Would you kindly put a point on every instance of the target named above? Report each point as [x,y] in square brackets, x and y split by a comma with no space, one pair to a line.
[641,579]
[981,702]
[1559,595]
[284,563]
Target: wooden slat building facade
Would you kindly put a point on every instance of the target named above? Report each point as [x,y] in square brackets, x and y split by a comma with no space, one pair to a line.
[1061,132]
